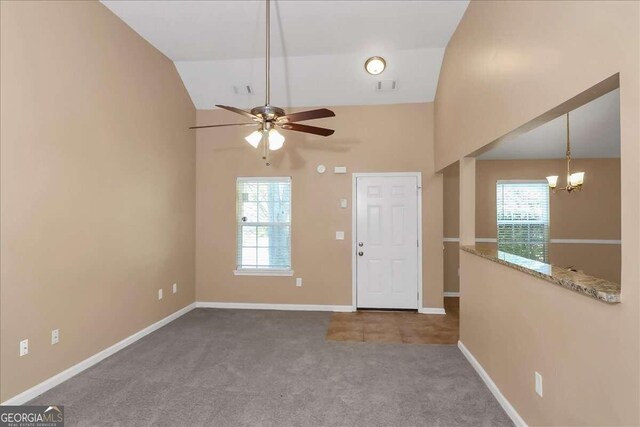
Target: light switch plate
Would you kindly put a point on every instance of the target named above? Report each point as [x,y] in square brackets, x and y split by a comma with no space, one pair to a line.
[339,235]
[24,347]
[343,203]
[539,384]
[340,169]
[159,293]
[298,281]
[175,288]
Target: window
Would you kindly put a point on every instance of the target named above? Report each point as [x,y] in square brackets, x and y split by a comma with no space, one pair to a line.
[264,226]
[523,218]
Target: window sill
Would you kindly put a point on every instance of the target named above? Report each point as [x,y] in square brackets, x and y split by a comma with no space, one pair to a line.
[263,272]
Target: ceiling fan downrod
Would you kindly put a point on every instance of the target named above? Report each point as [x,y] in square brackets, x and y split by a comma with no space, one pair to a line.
[268,55]
[268,117]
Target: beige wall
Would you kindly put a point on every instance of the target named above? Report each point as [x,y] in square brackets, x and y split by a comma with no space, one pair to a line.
[391,138]
[451,265]
[515,325]
[451,205]
[593,213]
[507,64]
[97,186]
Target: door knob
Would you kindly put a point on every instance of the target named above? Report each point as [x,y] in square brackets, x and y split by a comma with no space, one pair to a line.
[360,253]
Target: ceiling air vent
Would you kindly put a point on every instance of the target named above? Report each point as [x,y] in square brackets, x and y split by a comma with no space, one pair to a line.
[386,85]
[243,90]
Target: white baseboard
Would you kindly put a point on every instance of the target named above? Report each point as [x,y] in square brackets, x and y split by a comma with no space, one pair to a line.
[261,306]
[431,310]
[451,294]
[508,408]
[48,384]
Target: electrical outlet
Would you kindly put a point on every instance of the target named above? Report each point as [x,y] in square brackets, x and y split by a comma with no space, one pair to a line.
[175,288]
[298,281]
[55,336]
[538,384]
[24,347]
[159,293]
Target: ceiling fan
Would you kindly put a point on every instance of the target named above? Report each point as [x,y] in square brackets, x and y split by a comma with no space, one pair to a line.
[268,117]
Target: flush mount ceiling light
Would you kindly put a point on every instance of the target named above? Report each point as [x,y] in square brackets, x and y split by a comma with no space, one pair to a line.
[268,117]
[375,65]
[574,180]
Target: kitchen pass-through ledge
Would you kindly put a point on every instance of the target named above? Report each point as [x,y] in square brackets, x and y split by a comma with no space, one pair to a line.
[593,287]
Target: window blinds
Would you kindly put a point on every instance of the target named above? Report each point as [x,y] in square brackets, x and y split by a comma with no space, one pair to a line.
[263,223]
[523,218]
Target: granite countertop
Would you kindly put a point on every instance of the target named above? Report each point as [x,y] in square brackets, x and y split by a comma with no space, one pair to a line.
[599,289]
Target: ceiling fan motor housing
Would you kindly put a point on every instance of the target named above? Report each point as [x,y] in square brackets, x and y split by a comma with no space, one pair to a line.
[268,112]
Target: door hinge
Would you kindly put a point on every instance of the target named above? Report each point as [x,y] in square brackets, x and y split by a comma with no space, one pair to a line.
[418,243]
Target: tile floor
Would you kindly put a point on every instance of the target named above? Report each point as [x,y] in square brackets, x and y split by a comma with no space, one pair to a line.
[397,326]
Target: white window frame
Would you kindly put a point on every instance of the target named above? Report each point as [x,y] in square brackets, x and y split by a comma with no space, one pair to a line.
[265,271]
[525,181]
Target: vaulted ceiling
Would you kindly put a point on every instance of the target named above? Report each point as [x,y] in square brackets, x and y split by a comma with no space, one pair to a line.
[318,48]
[595,133]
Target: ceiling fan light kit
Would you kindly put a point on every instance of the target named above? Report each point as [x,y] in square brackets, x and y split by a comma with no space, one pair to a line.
[276,140]
[574,180]
[254,138]
[268,117]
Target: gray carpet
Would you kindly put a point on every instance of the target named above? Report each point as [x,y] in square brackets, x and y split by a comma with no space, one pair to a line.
[269,368]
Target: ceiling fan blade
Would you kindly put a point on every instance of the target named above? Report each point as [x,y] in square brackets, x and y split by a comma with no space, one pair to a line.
[228,124]
[307,129]
[307,115]
[239,111]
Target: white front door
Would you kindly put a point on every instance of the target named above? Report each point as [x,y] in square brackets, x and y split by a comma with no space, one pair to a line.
[387,242]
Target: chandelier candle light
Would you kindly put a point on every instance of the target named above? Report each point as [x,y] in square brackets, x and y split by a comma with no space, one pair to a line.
[574,180]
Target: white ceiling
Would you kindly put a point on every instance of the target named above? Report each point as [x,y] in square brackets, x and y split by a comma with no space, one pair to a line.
[595,133]
[319,47]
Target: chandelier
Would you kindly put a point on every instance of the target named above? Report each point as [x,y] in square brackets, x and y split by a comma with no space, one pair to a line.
[574,180]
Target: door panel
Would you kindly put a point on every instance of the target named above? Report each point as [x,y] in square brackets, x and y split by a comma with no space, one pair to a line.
[374,226]
[397,225]
[387,237]
[374,272]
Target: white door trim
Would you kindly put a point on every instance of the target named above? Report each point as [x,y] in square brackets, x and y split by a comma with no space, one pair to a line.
[354,243]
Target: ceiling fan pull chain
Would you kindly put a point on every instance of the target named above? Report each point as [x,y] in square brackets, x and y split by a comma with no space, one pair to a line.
[265,150]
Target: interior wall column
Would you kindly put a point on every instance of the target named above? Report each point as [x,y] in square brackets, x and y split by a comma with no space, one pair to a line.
[467,201]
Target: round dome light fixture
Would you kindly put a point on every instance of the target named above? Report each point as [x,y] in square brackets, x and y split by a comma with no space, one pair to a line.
[375,65]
